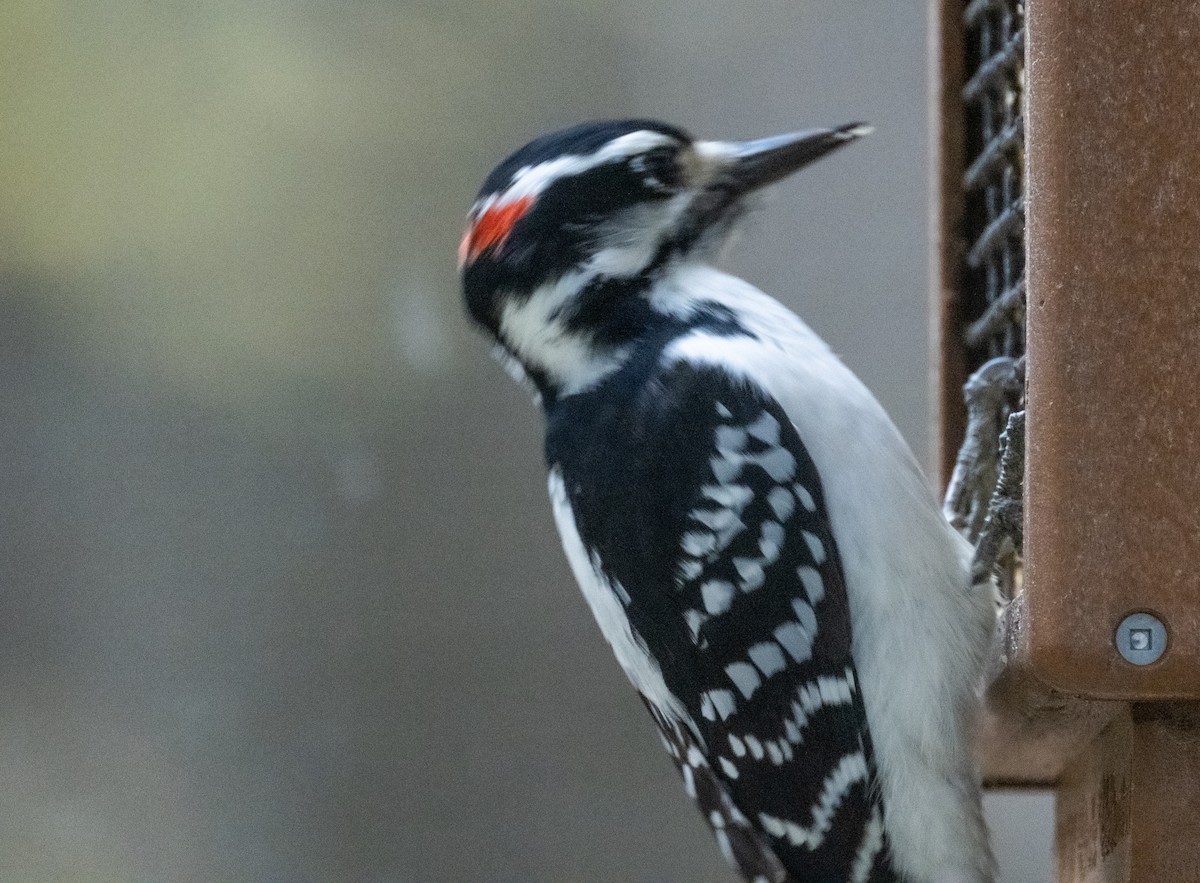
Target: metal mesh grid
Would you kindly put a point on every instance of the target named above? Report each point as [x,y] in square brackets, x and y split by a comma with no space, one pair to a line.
[983,499]
[994,277]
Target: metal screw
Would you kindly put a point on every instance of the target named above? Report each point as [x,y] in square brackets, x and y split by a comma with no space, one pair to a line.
[1141,638]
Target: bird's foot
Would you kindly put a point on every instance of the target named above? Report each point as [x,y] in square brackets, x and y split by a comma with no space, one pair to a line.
[984,498]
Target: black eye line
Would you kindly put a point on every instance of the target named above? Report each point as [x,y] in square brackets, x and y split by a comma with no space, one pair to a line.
[654,156]
[658,167]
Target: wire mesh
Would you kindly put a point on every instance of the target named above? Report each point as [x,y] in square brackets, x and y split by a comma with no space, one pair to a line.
[994,277]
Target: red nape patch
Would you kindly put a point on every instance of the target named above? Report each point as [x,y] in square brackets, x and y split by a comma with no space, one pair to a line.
[491,228]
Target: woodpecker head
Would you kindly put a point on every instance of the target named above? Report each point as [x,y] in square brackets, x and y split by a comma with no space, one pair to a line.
[569,232]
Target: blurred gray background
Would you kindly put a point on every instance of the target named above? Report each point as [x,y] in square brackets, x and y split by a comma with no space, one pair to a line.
[280,597]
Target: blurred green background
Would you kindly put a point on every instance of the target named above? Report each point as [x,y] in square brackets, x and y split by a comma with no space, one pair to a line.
[280,597]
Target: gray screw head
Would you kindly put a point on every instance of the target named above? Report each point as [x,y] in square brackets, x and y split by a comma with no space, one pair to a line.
[1141,638]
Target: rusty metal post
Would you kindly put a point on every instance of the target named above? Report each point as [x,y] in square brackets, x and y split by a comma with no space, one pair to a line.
[1102,707]
[1129,806]
[1113,211]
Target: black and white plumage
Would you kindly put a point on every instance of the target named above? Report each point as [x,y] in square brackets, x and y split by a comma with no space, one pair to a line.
[753,536]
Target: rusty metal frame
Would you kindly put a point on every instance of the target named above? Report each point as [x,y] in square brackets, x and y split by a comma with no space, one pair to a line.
[1112,493]
[1113,501]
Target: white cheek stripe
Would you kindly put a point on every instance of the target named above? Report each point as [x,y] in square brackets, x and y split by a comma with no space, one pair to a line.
[534,336]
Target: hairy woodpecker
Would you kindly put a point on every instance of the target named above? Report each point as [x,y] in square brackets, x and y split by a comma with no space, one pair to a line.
[754,537]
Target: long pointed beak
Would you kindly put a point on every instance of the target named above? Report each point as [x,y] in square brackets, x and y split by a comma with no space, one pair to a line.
[754,164]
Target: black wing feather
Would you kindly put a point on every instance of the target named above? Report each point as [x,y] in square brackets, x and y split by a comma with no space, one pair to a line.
[700,499]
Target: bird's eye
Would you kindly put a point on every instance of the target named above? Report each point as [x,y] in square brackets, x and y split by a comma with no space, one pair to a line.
[657,169]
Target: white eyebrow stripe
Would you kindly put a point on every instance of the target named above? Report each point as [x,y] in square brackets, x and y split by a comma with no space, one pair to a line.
[532,180]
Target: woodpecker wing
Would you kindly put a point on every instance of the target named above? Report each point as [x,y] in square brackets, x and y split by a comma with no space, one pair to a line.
[697,508]
[742,843]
